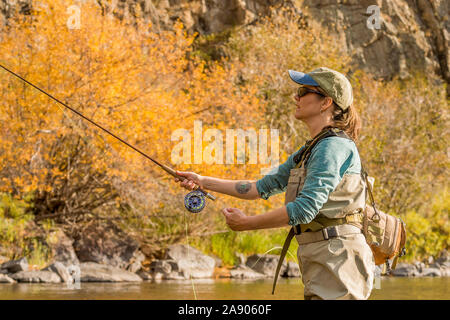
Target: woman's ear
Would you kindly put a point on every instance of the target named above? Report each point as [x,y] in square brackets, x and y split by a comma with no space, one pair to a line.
[327,102]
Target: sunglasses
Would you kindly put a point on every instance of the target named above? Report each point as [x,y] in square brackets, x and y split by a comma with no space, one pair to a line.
[301,91]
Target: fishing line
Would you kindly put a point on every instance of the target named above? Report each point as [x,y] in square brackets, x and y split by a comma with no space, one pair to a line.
[187,240]
[194,201]
[274,248]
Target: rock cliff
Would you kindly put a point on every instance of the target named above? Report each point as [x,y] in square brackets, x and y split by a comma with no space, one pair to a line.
[411,35]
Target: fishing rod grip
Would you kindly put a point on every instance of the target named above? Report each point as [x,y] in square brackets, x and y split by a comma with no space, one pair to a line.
[209,195]
[174,174]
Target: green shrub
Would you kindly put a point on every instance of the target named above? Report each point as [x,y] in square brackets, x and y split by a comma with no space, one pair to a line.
[19,235]
[428,234]
[227,245]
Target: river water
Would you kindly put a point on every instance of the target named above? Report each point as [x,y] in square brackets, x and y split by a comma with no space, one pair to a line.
[212,289]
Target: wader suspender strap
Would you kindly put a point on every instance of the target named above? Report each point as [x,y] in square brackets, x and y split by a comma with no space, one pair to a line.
[369,188]
[386,268]
[296,230]
[286,245]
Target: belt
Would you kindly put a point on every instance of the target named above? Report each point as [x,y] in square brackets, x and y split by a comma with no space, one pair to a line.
[326,233]
[310,237]
[321,222]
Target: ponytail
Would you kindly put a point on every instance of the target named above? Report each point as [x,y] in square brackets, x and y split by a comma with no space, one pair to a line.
[348,121]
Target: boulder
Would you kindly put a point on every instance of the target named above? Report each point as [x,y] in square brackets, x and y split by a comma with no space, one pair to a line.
[62,249]
[14,266]
[107,244]
[191,262]
[95,272]
[163,266]
[265,263]
[419,266]
[443,259]
[444,269]
[405,270]
[61,270]
[3,259]
[36,277]
[168,276]
[174,275]
[167,270]
[144,275]
[5,279]
[445,264]
[292,270]
[430,272]
[241,271]
[136,261]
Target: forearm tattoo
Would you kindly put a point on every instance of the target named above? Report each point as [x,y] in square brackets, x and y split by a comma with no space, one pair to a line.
[243,187]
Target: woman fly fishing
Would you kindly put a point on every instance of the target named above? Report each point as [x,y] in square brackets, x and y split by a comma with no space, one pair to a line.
[325,192]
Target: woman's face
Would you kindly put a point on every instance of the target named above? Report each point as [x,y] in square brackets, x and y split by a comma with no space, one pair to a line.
[309,105]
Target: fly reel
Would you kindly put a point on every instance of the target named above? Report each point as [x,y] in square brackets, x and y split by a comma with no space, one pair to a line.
[194,201]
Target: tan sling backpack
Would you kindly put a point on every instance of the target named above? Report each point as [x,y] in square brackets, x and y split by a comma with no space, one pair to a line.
[385,234]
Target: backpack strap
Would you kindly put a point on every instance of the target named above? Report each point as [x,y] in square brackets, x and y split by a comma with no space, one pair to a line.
[365,176]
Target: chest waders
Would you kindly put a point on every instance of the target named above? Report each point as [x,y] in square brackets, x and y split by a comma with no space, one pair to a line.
[323,227]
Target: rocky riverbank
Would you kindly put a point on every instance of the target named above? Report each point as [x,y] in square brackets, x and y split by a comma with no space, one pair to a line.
[181,262]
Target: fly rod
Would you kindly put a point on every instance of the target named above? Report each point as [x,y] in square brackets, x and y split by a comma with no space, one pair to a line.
[194,201]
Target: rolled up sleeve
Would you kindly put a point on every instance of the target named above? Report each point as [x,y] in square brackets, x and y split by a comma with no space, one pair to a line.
[328,162]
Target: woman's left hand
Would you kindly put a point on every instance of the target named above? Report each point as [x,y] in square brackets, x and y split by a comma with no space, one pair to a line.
[236,219]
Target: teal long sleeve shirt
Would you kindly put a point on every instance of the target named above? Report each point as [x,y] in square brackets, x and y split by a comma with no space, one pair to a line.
[330,159]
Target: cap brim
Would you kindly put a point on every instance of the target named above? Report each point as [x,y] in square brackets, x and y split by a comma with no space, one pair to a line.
[302,78]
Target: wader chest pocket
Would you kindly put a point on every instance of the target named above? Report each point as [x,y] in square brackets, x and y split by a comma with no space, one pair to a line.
[295,184]
[295,176]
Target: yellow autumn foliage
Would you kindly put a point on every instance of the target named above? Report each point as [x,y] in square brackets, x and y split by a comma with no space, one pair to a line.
[144,86]
[140,85]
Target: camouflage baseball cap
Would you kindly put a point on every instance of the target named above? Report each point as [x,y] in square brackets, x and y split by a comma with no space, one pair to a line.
[334,83]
